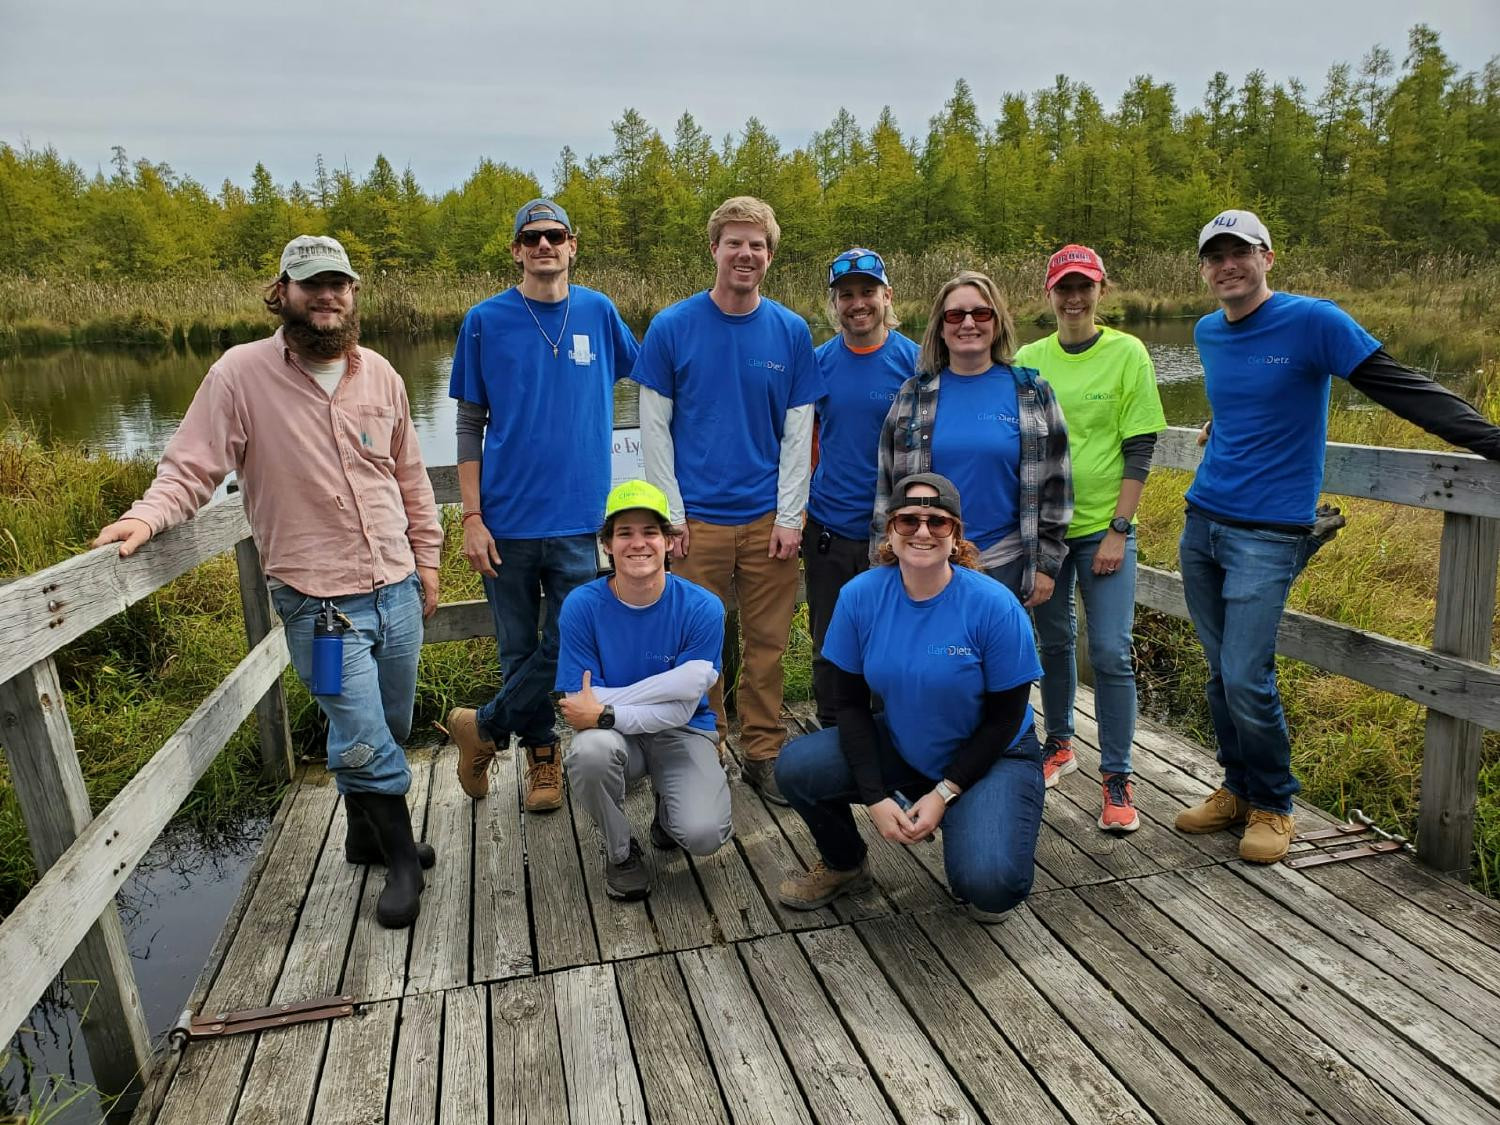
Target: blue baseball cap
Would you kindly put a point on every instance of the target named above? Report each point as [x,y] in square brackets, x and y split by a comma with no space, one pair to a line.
[539,209]
[857,261]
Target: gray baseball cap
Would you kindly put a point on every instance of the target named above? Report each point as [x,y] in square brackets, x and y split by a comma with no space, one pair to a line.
[310,254]
[946,498]
[536,211]
[1244,225]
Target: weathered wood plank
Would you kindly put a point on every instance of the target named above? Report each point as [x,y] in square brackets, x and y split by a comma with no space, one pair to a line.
[527,1067]
[271,720]
[1119,855]
[623,928]
[676,1078]
[502,929]
[1239,1075]
[283,1075]
[1452,751]
[991,1072]
[49,787]
[1466,909]
[356,1071]
[910,1069]
[466,1049]
[45,611]
[753,1074]
[835,1079]
[1062,859]
[1425,1086]
[1156,1075]
[739,908]
[602,1083]
[678,911]
[440,939]
[770,857]
[376,966]
[1087,1090]
[414,1074]
[458,621]
[561,920]
[51,921]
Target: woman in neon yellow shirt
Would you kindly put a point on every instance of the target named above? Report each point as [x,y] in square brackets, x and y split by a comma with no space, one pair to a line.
[1106,385]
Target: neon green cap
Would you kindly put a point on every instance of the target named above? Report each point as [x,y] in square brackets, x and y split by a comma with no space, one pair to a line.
[636,494]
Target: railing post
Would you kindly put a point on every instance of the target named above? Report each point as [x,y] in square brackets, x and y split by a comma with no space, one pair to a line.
[1451,754]
[54,802]
[270,711]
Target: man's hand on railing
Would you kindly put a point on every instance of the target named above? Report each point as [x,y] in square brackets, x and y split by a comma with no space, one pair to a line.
[130,534]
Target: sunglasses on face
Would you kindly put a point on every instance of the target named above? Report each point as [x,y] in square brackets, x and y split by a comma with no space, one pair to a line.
[982,315]
[862,264]
[939,525]
[554,235]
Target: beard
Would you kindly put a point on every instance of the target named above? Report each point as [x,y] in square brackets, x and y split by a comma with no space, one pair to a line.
[325,343]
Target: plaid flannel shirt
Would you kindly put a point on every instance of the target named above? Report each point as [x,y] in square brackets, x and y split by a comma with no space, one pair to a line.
[1046,501]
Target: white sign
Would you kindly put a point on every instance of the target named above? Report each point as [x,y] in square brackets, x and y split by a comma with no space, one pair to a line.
[626,462]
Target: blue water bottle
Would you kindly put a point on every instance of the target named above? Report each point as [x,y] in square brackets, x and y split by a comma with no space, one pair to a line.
[328,653]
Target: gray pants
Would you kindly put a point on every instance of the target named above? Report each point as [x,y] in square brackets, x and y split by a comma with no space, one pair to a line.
[692,793]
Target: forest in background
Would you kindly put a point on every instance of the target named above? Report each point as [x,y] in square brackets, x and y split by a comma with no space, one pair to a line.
[1395,159]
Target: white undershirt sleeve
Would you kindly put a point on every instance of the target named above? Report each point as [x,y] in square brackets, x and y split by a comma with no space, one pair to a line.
[657,451]
[795,470]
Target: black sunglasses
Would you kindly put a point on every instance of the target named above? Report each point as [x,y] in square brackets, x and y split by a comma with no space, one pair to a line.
[555,235]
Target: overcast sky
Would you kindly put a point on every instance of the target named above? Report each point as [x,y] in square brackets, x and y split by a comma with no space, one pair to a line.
[212,87]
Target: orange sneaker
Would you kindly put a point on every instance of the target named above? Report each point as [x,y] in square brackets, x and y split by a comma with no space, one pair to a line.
[1057,759]
[1119,813]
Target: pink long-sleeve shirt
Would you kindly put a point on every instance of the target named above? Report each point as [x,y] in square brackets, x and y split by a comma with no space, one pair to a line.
[335,490]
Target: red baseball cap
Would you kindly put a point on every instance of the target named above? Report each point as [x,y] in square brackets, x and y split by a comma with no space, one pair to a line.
[1074,259]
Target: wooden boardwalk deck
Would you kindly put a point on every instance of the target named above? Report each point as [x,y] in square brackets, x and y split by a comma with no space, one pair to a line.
[1154,978]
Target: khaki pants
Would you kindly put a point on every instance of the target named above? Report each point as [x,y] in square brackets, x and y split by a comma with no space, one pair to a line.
[766,592]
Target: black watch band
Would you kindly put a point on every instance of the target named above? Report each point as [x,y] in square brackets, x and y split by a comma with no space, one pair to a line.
[1120,524]
[606,719]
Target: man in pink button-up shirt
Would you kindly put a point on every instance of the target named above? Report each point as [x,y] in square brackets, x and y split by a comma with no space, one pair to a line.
[319,431]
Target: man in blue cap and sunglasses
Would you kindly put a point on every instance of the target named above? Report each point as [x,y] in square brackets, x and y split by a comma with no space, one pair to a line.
[533,372]
[863,367]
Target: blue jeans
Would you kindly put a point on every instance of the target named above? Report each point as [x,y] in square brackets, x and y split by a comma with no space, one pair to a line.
[371,717]
[989,833]
[529,569]
[1236,581]
[1109,600]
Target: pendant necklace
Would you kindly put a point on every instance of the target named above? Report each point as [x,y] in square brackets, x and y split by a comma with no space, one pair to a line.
[567,308]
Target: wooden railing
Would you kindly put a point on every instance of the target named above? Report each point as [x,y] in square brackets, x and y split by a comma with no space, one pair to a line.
[68,922]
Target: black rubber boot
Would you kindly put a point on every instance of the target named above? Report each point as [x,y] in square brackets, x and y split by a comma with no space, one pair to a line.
[400,902]
[361,847]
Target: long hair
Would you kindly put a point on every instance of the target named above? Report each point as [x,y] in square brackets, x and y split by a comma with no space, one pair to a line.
[934,354]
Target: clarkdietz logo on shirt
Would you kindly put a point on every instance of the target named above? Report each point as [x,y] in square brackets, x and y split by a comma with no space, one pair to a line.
[770,363]
[949,650]
[993,416]
[1268,360]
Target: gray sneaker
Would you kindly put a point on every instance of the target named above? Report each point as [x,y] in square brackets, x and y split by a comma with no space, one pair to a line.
[761,776]
[627,880]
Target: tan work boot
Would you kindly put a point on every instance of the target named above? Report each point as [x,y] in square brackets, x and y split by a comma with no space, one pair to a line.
[1267,836]
[476,750]
[1222,810]
[822,885]
[544,780]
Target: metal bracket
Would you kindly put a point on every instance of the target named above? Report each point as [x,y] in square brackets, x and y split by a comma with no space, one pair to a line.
[1357,825]
[190,1028]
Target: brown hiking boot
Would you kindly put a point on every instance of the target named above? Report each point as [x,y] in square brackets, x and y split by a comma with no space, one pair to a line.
[822,885]
[1220,811]
[1267,836]
[544,780]
[476,750]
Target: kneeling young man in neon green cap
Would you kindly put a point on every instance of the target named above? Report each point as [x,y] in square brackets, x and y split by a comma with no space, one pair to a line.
[639,650]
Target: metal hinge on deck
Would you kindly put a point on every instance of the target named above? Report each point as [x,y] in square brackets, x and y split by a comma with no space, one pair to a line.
[1355,828]
[190,1028]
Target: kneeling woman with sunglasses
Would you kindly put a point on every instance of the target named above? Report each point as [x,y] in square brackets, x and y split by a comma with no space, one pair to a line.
[951,654]
[999,436]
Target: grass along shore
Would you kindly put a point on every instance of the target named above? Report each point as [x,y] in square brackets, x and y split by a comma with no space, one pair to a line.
[1440,311]
[132,681]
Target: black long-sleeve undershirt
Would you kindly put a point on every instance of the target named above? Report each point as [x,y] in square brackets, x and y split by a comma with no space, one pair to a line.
[1421,400]
[1000,718]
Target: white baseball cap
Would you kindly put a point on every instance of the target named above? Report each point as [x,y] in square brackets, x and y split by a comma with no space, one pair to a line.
[1244,225]
[310,254]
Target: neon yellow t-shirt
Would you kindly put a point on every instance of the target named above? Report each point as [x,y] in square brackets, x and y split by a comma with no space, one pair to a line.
[1107,394]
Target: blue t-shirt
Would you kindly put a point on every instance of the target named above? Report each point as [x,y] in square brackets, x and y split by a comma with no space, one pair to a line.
[860,390]
[976,444]
[1268,376]
[933,661]
[623,644]
[546,465]
[731,380]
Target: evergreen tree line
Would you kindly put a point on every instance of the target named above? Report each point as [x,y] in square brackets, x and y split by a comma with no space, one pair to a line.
[1398,159]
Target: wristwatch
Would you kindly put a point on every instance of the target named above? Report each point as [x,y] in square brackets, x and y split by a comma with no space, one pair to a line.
[606,719]
[1120,524]
[946,792]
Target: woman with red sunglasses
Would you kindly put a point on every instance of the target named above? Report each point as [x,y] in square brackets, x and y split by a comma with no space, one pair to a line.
[999,436]
[951,654]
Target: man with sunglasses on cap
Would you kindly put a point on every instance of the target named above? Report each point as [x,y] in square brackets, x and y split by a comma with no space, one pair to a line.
[728,381]
[1269,360]
[533,372]
[863,367]
[639,649]
[319,431]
